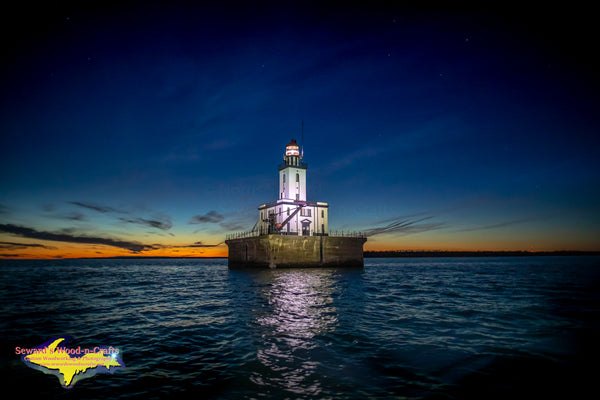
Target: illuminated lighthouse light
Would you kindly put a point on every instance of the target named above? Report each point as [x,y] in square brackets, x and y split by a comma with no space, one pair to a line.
[292,149]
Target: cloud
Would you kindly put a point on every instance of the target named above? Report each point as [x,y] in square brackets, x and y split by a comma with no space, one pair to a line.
[66,235]
[404,226]
[95,207]
[75,216]
[72,216]
[165,224]
[48,207]
[157,221]
[21,246]
[495,226]
[63,236]
[201,244]
[211,217]
[233,226]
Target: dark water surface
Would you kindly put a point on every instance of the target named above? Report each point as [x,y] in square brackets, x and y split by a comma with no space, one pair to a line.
[447,328]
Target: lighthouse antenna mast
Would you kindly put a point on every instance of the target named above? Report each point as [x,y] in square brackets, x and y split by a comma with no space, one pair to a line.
[302,142]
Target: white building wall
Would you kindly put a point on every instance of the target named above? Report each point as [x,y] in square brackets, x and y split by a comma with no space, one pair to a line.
[322,219]
[291,185]
[316,215]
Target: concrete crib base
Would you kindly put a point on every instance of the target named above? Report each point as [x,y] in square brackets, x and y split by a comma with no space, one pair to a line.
[283,251]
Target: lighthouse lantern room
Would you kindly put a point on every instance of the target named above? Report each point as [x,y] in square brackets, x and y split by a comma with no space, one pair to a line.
[291,213]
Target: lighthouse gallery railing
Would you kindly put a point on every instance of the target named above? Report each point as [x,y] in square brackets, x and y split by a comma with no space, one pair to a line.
[340,233]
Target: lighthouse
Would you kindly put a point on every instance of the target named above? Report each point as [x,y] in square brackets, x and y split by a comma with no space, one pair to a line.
[291,213]
[291,231]
[291,186]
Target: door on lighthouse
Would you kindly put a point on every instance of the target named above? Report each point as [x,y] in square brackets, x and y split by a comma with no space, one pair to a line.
[305,227]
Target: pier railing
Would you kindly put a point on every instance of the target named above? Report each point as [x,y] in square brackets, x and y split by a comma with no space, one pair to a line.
[348,234]
[340,233]
[241,235]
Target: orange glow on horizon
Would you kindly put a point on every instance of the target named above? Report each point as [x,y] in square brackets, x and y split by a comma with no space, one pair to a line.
[189,246]
[83,251]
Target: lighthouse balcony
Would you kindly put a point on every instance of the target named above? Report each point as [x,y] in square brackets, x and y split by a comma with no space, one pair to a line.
[300,165]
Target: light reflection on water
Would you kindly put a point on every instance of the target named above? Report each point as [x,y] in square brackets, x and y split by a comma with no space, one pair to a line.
[300,307]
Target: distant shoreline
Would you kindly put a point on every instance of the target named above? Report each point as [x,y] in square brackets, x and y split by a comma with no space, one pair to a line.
[441,253]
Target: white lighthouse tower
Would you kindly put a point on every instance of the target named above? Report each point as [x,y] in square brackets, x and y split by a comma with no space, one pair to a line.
[292,174]
[291,213]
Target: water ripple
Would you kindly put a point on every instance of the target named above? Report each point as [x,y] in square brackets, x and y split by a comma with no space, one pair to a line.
[399,328]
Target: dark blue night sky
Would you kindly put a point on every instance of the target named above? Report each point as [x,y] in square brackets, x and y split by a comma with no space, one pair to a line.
[153,128]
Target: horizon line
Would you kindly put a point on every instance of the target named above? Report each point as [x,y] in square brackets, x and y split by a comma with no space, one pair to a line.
[366,254]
